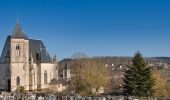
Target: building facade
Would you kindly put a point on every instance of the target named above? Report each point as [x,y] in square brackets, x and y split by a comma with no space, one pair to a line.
[25,62]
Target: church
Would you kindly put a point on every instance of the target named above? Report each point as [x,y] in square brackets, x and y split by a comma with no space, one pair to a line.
[26,62]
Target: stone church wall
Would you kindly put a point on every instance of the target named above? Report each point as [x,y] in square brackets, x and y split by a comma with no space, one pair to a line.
[19,64]
[2,77]
[50,70]
[17,70]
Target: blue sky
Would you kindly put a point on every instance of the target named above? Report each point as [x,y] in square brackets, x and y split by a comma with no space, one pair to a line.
[95,27]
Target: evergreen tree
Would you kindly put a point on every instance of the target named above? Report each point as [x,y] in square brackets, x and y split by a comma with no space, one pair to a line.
[138,79]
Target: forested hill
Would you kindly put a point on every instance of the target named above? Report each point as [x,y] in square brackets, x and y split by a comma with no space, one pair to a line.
[165,59]
[123,60]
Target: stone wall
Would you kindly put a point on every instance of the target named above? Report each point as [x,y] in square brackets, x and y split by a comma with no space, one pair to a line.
[50,70]
[19,63]
[2,77]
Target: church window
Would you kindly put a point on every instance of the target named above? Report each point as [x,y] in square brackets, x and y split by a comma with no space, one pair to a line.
[18,80]
[18,50]
[34,76]
[17,47]
[45,77]
[37,56]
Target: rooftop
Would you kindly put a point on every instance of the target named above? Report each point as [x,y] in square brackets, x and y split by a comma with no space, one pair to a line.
[17,32]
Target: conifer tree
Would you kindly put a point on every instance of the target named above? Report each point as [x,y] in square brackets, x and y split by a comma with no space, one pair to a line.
[138,80]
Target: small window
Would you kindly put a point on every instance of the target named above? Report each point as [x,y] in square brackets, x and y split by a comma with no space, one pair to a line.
[18,50]
[37,56]
[45,77]
[18,81]
[17,47]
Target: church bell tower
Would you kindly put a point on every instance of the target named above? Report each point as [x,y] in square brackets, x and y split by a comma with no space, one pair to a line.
[19,53]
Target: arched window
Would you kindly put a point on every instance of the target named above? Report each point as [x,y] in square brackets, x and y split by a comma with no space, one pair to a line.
[17,47]
[18,50]
[45,77]
[18,81]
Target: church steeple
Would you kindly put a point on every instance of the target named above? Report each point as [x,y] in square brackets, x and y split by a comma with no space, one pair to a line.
[17,32]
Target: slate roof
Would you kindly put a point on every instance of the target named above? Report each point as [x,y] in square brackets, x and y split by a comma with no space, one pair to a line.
[37,46]
[18,33]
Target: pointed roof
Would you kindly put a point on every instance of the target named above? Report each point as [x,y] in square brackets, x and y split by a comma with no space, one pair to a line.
[17,32]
